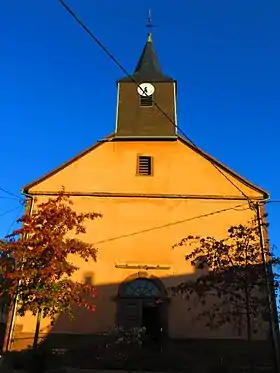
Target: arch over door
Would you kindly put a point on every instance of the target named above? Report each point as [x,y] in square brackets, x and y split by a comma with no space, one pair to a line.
[141,288]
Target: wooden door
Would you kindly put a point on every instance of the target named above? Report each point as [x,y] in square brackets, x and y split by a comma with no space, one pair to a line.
[129,313]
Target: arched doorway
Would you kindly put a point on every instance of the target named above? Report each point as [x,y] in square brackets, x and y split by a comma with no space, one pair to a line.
[142,303]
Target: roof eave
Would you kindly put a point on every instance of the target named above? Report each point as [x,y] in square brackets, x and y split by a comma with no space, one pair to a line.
[142,79]
[265,194]
[26,188]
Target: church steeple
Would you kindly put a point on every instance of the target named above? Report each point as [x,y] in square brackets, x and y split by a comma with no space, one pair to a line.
[146,105]
[148,67]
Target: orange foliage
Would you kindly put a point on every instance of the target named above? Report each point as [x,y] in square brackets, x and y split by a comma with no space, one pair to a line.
[35,259]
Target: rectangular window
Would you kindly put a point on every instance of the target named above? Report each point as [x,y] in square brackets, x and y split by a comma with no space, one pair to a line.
[144,165]
[146,101]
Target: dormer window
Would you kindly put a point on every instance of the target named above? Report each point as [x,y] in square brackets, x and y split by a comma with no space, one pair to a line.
[146,101]
[144,165]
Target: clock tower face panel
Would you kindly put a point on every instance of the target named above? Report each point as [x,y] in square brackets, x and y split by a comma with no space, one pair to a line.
[146,110]
[145,89]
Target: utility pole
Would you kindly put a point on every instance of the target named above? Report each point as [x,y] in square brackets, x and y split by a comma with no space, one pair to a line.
[268,277]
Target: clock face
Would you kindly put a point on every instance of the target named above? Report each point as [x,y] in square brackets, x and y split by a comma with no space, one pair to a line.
[146,89]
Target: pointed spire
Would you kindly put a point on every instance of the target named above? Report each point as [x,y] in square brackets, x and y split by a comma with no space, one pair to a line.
[148,67]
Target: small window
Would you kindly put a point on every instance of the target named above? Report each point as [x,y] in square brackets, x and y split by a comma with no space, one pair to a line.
[144,165]
[88,278]
[146,101]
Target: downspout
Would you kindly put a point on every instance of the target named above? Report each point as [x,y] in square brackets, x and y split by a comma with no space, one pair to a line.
[14,312]
[268,276]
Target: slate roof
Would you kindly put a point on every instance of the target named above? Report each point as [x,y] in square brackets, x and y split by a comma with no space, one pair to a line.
[148,68]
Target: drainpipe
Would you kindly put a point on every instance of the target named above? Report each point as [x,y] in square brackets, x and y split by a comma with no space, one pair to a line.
[268,276]
[14,312]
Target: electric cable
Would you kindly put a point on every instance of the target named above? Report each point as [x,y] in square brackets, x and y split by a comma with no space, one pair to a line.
[10,193]
[113,58]
[171,224]
[252,205]
[8,211]
[15,220]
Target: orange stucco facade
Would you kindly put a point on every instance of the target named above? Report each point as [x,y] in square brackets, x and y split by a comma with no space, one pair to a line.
[187,193]
[143,217]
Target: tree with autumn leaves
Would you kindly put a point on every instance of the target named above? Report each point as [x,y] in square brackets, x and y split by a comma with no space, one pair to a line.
[36,261]
[234,281]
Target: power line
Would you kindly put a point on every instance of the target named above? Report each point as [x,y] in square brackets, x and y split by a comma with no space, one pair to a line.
[113,58]
[11,210]
[10,193]
[171,224]
[15,220]
[9,198]
[252,205]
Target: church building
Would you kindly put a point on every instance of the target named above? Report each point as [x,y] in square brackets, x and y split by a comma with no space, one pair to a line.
[153,188]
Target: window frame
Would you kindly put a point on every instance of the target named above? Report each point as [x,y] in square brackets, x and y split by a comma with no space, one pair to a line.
[138,173]
[147,98]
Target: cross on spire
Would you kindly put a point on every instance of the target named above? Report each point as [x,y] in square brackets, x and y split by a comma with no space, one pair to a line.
[148,67]
[149,24]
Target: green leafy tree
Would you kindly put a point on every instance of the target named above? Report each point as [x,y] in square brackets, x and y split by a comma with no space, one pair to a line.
[37,264]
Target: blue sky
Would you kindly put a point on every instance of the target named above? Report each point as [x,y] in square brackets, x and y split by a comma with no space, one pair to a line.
[58,92]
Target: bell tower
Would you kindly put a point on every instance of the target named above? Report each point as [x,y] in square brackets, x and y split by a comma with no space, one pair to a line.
[146,102]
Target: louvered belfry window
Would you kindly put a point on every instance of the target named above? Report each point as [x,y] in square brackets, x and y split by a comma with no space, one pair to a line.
[146,101]
[144,165]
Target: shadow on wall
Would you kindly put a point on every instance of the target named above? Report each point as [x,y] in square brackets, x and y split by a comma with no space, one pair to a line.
[116,304]
[142,300]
